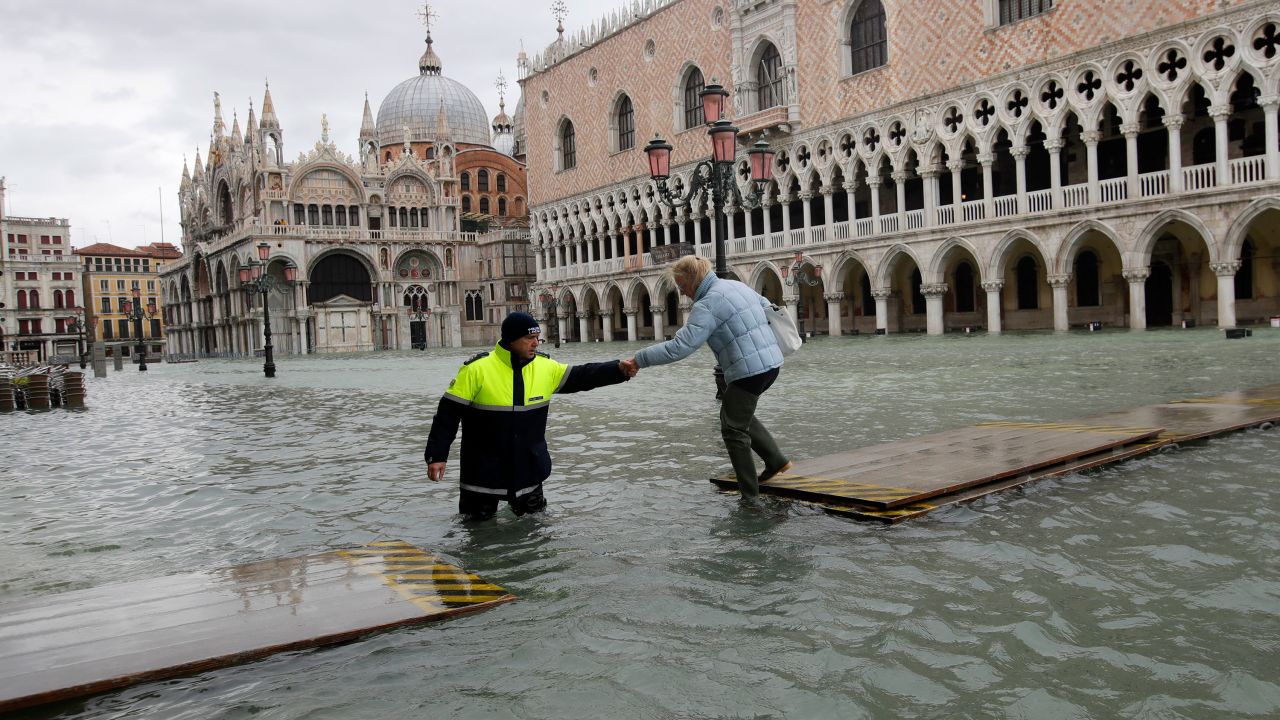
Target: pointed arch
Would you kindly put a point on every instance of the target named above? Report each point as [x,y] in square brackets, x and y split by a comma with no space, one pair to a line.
[890,258]
[1239,229]
[1000,256]
[1140,254]
[937,266]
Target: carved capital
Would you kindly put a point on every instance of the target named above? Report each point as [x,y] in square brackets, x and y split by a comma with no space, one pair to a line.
[934,290]
[900,176]
[987,159]
[1225,269]
[955,166]
[874,181]
[1137,275]
[851,186]
[1269,102]
[833,297]
[881,294]
[805,196]
[1091,137]
[1055,145]
[1020,152]
[1220,113]
[1174,122]
[1131,129]
[826,190]
[1059,281]
[993,286]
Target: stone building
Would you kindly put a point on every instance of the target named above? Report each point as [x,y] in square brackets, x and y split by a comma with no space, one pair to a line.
[997,164]
[110,274]
[39,288]
[386,244]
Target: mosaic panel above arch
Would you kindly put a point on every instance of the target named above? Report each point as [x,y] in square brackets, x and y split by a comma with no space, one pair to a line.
[417,266]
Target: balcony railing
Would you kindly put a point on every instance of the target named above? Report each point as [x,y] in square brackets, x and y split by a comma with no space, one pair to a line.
[1153,183]
[1114,190]
[1199,177]
[1248,170]
[1074,196]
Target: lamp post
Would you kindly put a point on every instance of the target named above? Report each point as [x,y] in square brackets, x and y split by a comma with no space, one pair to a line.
[713,177]
[77,326]
[255,279]
[796,273]
[419,312]
[134,311]
[548,299]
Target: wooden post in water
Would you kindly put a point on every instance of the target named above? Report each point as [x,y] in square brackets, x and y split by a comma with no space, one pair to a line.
[73,390]
[38,392]
[6,395]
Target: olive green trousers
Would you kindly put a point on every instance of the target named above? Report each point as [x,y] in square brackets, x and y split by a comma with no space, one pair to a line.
[743,435]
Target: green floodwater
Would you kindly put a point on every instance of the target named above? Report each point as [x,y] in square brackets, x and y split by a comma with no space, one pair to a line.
[1147,589]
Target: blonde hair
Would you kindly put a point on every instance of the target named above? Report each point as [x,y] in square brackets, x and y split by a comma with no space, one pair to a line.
[691,269]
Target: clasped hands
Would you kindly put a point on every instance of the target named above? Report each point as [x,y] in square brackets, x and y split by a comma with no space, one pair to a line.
[629,367]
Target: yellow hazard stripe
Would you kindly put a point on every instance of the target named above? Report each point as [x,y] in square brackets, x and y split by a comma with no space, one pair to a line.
[404,568]
[1072,427]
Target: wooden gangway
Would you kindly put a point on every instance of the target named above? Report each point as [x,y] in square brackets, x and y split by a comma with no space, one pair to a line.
[909,478]
[77,643]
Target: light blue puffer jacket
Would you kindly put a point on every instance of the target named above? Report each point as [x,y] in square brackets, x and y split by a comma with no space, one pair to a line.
[728,316]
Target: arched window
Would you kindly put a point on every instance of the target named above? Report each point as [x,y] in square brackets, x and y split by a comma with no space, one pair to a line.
[466,181]
[482,180]
[474,306]
[340,214]
[22,299]
[431,153]
[484,205]
[326,213]
[693,84]
[313,214]
[57,299]
[769,79]
[568,147]
[502,182]
[34,297]
[71,298]
[1028,293]
[625,117]
[353,215]
[502,207]
[1087,285]
[868,43]
[466,203]
[404,217]
[299,214]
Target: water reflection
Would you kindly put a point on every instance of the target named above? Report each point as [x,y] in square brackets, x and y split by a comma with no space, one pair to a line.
[1144,588]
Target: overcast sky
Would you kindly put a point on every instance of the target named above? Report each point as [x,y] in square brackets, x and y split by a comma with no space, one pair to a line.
[101,100]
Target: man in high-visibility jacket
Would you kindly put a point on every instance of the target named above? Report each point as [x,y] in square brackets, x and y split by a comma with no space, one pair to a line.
[501,398]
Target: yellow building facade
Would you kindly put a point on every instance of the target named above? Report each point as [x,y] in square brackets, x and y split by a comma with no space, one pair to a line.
[112,275]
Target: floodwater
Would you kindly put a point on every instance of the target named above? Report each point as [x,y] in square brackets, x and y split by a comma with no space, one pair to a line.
[1148,589]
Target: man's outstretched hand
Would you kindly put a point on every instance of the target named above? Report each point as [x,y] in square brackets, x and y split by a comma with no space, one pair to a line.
[629,367]
[435,471]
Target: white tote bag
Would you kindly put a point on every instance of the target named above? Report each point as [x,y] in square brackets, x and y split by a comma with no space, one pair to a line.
[784,328]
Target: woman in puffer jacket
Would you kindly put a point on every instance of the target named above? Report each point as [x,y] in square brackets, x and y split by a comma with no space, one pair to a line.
[729,317]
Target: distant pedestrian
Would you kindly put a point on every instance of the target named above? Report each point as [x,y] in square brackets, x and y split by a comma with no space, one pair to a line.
[501,398]
[729,317]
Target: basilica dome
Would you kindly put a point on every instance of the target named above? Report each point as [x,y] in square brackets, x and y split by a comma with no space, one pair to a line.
[416,103]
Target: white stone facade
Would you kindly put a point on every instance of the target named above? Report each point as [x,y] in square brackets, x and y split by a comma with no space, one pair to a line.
[40,288]
[1087,165]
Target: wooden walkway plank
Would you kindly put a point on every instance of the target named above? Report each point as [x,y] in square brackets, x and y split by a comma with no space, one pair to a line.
[82,642]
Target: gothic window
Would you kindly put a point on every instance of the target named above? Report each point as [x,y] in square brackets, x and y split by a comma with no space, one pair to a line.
[482,180]
[868,42]
[568,147]
[502,207]
[484,206]
[1087,285]
[466,181]
[466,203]
[1015,10]
[416,298]
[404,217]
[299,215]
[1028,293]
[626,123]
[474,306]
[769,77]
[693,84]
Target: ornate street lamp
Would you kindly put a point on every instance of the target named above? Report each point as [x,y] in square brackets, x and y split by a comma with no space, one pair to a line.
[795,273]
[134,311]
[77,325]
[713,177]
[255,279]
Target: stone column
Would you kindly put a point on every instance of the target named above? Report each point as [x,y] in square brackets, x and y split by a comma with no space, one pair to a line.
[697,229]
[1173,123]
[874,184]
[900,188]
[1020,171]
[666,231]
[835,327]
[993,288]
[1091,138]
[1059,283]
[1137,278]
[633,333]
[680,229]
[1054,146]
[828,210]
[584,327]
[988,160]
[849,189]
[882,311]
[1226,272]
[933,295]
[1270,104]
[957,194]
[562,326]
[807,211]
[785,202]
[659,313]
[606,322]
[1221,114]
[1130,131]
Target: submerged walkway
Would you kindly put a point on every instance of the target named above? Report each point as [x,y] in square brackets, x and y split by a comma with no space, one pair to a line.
[906,479]
[78,643]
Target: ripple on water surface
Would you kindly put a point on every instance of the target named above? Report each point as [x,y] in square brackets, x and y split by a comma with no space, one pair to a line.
[1147,589]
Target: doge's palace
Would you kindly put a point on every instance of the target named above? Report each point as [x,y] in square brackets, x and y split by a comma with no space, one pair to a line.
[988,164]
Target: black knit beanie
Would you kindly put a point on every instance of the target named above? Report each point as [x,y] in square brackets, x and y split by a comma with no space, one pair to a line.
[517,325]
